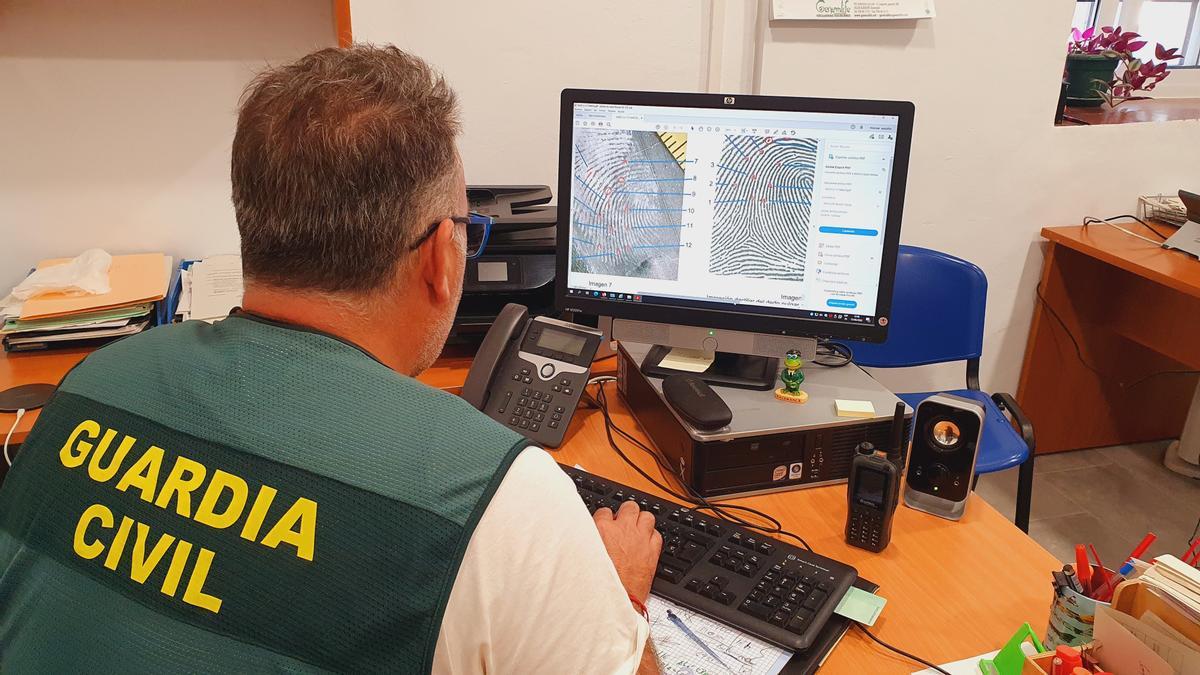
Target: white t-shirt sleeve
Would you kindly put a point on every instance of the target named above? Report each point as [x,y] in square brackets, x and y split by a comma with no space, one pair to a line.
[537,592]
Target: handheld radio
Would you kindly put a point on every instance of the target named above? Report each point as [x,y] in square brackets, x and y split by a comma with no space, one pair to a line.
[874,490]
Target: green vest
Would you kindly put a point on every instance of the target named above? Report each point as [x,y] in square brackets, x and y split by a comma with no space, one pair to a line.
[242,496]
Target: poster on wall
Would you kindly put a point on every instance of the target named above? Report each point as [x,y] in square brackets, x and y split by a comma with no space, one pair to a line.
[852,9]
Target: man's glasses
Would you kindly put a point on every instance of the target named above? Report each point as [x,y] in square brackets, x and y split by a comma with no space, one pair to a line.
[478,226]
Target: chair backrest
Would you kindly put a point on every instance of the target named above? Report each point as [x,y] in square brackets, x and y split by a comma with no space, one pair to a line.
[937,313]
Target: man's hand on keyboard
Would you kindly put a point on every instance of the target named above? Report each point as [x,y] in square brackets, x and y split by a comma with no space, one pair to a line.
[633,544]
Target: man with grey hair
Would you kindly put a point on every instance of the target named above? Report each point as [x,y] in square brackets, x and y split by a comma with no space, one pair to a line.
[275,491]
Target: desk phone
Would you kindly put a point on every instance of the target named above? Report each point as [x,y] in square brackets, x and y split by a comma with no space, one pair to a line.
[529,373]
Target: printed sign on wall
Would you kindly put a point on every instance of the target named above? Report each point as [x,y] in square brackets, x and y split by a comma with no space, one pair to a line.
[852,9]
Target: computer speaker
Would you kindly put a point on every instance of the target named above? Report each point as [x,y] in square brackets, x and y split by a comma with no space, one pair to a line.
[941,459]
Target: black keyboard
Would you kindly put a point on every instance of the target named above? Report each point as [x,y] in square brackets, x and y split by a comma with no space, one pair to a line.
[766,587]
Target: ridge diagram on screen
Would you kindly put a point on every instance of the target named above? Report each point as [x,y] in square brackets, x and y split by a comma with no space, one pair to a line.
[629,188]
[762,206]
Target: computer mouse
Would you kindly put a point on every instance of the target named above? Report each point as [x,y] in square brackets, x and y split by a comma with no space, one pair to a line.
[696,402]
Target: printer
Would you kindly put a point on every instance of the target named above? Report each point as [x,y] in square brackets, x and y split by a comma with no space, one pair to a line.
[517,264]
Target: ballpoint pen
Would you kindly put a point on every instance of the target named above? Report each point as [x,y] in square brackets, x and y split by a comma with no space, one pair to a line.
[1122,573]
[1137,553]
[695,638]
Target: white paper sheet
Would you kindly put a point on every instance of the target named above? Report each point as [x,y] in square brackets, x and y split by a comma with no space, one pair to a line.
[680,655]
[1154,621]
[216,286]
[1120,651]
[1179,653]
[10,307]
[1181,579]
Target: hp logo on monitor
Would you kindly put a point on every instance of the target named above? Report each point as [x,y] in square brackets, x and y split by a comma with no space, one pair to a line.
[729,100]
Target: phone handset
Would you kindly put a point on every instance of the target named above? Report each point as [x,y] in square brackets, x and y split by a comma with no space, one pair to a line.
[505,329]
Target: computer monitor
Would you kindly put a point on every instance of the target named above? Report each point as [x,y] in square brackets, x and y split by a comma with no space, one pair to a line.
[730,224]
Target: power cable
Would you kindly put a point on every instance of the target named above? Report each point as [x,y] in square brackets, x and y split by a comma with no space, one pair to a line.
[901,652]
[689,496]
[1086,364]
[1092,220]
[8,458]
[833,354]
[600,401]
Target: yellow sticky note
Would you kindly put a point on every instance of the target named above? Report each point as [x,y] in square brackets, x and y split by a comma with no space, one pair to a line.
[847,408]
[687,360]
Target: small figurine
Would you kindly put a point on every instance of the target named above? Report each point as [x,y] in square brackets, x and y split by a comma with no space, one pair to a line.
[792,377]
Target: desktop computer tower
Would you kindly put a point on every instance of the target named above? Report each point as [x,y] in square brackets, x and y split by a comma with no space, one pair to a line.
[770,445]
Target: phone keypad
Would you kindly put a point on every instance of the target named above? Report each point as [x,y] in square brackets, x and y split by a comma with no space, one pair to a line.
[864,528]
[533,405]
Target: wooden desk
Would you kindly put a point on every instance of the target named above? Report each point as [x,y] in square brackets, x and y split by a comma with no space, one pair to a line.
[33,367]
[954,590]
[1134,309]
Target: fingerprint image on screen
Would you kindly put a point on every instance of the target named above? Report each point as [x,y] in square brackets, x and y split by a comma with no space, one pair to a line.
[762,207]
[627,202]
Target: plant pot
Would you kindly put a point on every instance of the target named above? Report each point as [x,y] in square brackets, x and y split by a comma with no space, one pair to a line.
[1082,72]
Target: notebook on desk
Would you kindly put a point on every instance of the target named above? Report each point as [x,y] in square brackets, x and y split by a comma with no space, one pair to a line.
[728,649]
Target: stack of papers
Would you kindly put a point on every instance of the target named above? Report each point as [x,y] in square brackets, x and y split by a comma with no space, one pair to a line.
[210,288]
[1153,625]
[1176,576]
[58,320]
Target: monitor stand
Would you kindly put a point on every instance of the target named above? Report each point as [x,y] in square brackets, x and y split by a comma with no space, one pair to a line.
[725,369]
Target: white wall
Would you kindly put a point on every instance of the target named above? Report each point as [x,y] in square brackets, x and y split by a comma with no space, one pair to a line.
[988,170]
[118,117]
[510,60]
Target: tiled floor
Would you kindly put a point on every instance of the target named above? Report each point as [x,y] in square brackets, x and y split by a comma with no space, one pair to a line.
[1109,497]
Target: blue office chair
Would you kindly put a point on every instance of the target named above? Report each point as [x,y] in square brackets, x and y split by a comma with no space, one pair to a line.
[937,317]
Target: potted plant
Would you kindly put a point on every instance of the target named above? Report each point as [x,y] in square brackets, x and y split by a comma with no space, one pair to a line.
[1138,76]
[1092,60]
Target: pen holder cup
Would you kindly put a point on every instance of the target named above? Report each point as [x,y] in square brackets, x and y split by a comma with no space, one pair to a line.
[1072,617]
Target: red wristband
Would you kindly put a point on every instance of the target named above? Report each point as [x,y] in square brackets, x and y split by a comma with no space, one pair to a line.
[640,607]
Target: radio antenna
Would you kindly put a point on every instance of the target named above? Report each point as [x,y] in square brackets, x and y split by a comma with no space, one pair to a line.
[896,450]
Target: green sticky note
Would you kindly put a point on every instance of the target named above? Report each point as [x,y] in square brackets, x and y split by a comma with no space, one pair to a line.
[861,606]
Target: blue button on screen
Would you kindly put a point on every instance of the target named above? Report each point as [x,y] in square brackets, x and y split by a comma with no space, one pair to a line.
[842,304]
[860,231]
